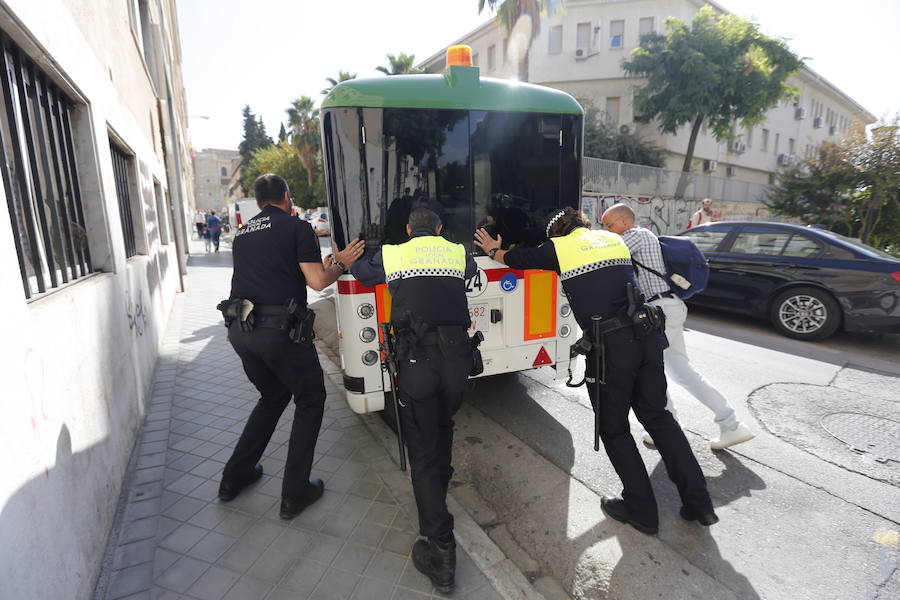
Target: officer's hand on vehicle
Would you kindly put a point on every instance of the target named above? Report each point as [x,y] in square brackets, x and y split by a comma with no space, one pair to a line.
[351,253]
[484,240]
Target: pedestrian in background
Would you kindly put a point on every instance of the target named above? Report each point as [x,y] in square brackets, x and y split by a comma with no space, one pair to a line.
[595,270]
[275,258]
[430,317]
[703,215]
[206,237]
[214,225]
[644,247]
[199,223]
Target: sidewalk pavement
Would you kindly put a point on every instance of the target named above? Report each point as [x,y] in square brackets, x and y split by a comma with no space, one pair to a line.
[174,539]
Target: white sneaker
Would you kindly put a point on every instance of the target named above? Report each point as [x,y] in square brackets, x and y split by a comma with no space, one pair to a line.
[730,437]
[648,440]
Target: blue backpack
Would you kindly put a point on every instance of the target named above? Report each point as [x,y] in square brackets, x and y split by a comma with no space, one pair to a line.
[687,270]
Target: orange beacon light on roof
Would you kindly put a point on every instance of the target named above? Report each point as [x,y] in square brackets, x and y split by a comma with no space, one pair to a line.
[459,56]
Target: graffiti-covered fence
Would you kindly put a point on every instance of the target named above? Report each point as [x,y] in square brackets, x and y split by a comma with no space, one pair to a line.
[650,193]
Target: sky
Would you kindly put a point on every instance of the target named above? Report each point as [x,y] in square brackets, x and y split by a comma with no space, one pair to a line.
[265,53]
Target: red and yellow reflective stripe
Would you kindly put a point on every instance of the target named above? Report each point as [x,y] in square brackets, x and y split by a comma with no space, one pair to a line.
[540,304]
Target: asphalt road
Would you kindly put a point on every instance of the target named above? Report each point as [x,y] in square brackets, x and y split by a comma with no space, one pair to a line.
[803,516]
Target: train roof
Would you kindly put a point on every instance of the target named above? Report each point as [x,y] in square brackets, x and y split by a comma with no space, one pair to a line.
[458,88]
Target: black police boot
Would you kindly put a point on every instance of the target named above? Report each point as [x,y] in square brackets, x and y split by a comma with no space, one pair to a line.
[436,558]
[705,517]
[291,507]
[229,489]
[616,508]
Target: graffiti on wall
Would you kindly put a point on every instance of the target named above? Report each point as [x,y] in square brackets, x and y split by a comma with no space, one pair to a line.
[137,318]
[664,215]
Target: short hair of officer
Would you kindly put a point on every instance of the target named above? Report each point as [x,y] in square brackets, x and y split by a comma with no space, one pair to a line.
[424,218]
[270,189]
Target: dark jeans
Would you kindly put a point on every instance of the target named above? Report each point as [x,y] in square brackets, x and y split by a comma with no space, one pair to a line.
[280,369]
[431,390]
[215,233]
[635,380]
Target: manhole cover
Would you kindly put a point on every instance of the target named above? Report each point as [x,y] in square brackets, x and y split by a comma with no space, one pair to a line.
[878,436]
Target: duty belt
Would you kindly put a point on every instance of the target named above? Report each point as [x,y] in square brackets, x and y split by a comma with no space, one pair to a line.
[608,325]
[268,316]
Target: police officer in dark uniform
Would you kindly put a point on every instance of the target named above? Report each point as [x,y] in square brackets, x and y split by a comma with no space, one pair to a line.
[595,269]
[275,257]
[430,318]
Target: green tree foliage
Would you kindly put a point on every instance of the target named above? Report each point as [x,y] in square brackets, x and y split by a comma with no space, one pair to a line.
[254,138]
[818,190]
[342,76]
[282,134]
[303,123]
[400,65]
[508,13]
[603,139]
[721,69]
[852,187]
[282,160]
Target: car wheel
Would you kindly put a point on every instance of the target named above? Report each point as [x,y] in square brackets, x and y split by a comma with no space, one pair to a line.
[805,313]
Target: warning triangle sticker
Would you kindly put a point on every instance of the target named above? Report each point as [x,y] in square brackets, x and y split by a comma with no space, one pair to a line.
[542,358]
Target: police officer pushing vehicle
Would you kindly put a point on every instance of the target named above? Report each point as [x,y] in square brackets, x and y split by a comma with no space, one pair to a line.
[430,318]
[276,256]
[624,347]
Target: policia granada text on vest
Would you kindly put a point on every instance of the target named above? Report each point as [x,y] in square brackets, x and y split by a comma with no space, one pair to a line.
[276,256]
[596,273]
[430,319]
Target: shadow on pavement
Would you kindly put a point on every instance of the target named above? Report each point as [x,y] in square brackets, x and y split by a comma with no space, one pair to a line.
[507,401]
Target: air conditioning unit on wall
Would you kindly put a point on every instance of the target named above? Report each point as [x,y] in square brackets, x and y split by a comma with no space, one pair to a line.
[710,166]
[832,129]
[785,160]
[799,113]
[738,146]
[818,122]
[730,171]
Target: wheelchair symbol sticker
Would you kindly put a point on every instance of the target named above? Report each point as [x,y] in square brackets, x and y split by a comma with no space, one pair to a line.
[509,282]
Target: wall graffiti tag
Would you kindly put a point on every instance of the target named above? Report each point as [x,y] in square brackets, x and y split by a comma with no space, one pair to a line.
[137,318]
[665,215]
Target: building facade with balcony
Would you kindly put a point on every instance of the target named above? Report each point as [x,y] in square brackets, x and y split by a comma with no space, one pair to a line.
[580,50]
[213,169]
[96,186]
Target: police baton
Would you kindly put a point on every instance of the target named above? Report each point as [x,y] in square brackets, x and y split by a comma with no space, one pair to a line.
[599,376]
[390,361]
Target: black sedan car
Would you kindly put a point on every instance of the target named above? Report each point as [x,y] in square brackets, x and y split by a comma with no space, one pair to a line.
[808,282]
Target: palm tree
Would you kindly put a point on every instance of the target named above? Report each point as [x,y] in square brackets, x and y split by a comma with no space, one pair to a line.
[303,120]
[342,76]
[508,13]
[400,65]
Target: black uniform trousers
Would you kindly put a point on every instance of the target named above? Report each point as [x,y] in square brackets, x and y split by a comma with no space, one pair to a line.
[635,380]
[280,370]
[431,390]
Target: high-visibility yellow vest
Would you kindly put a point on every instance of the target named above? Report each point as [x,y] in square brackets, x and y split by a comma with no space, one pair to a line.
[424,256]
[585,250]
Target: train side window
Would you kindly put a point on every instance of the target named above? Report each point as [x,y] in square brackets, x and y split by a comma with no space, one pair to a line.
[516,171]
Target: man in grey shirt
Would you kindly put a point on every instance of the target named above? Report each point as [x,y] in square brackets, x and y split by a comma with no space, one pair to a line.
[644,248]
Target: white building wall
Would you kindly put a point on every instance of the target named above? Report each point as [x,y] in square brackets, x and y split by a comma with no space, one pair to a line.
[596,75]
[77,361]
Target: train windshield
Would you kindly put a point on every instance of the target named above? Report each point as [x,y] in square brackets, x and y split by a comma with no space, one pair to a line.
[502,171]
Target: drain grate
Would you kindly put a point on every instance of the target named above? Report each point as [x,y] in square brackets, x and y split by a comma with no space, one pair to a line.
[877,436]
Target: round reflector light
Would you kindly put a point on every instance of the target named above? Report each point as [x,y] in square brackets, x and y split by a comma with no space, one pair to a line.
[370,358]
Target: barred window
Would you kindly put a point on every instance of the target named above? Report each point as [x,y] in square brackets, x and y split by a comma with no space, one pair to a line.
[121,169]
[37,160]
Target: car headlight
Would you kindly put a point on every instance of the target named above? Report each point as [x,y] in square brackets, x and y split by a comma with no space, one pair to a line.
[370,358]
[367,334]
[365,310]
